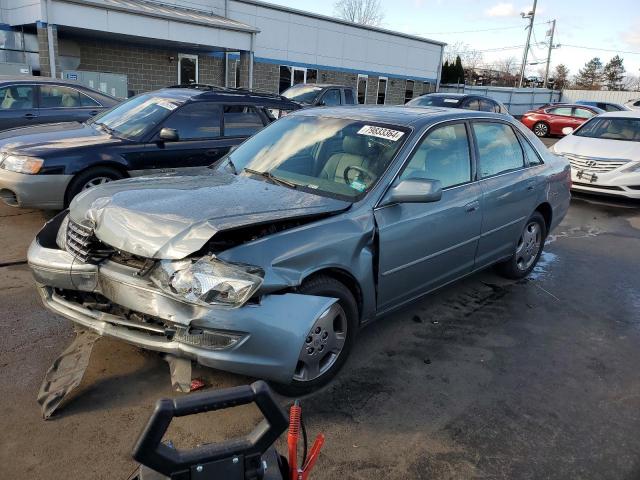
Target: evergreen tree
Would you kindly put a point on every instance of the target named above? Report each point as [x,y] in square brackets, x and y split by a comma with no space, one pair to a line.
[614,74]
[444,75]
[590,77]
[459,71]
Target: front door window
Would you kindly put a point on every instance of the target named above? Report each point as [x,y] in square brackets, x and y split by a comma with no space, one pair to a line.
[187,69]
[298,76]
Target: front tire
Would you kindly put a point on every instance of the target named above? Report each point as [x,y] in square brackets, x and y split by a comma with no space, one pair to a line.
[528,249]
[329,341]
[541,129]
[90,178]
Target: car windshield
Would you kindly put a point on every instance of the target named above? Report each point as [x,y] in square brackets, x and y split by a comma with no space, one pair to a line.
[305,94]
[627,129]
[435,101]
[334,157]
[136,117]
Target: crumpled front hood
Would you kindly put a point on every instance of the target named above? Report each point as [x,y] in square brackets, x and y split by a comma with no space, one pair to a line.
[171,217]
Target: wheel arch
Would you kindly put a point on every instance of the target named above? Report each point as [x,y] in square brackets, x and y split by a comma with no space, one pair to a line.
[112,165]
[346,278]
[547,213]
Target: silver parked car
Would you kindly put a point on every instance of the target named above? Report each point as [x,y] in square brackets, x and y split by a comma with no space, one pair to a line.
[270,262]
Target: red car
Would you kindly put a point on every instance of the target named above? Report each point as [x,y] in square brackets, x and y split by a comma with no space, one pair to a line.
[551,119]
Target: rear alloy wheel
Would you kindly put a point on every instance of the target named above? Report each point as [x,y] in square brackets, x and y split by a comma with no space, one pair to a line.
[541,129]
[329,341]
[528,249]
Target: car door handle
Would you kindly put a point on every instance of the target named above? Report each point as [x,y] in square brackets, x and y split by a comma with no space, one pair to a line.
[93,113]
[212,152]
[530,186]
[30,115]
[472,207]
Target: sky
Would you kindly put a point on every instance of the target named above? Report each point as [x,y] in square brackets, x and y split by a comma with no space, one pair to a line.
[600,28]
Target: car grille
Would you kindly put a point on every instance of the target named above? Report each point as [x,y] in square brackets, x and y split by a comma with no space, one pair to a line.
[591,164]
[82,243]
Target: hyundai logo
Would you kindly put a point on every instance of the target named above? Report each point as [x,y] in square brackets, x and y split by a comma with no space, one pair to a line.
[592,163]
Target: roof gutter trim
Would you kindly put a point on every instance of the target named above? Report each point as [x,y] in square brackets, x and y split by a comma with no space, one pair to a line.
[233,26]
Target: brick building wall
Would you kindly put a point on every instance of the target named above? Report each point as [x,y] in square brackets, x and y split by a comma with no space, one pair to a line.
[43,49]
[147,68]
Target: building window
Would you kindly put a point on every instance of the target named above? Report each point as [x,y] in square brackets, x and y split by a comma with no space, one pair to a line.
[362,88]
[312,75]
[290,76]
[187,69]
[382,90]
[408,91]
[237,74]
[285,77]
[426,87]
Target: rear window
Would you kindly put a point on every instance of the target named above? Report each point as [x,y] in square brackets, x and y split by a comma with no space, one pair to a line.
[348,97]
[435,101]
[241,121]
[625,129]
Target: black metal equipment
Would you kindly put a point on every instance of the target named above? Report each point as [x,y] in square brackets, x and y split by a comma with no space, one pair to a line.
[248,458]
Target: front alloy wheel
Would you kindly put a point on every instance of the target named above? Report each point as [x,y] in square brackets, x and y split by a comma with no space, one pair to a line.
[94,182]
[323,345]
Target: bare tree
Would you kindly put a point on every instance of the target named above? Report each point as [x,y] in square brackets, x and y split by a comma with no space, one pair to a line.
[364,12]
[507,66]
[631,83]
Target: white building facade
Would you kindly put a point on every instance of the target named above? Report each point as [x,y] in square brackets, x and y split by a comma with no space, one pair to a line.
[243,43]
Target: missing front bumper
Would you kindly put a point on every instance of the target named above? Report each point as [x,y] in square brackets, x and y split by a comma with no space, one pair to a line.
[272,331]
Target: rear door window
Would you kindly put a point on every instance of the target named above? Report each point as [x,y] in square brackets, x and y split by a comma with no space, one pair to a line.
[583,113]
[564,111]
[196,121]
[332,97]
[16,97]
[499,150]
[241,121]
[487,105]
[348,97]
[57,96]
[471,104]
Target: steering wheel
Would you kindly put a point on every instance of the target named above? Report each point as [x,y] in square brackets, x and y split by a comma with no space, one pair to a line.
[369,174]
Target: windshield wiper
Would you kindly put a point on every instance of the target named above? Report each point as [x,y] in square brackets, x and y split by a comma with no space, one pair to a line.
[270,176]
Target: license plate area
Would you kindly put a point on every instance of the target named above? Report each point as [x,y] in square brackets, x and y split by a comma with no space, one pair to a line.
[588,176]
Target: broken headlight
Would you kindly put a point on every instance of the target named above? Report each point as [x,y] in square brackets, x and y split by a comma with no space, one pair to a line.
[208,281]
[61,236]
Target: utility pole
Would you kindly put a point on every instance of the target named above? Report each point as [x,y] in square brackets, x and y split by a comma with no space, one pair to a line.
[551,47]
[531,16]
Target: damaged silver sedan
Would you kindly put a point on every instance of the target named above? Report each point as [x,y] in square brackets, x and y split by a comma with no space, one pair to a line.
[268,263]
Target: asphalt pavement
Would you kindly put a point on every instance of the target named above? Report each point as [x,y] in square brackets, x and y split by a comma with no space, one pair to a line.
[487,378]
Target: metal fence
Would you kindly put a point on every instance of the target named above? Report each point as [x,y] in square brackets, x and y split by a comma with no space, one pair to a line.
[517,100]
[598,96]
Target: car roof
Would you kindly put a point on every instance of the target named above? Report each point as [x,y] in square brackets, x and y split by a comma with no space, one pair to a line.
[622,114]
[451,95]
[553,105]
[233,95]
[400,115]
[321,85]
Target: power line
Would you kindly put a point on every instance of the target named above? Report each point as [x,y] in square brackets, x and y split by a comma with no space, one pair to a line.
[479,30]
[600,49]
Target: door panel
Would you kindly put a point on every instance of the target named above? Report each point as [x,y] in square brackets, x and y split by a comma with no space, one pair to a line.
[426,245]
[509,191]
[18,106]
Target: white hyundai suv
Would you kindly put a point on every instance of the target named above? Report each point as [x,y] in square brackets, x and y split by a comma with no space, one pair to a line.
[604,154]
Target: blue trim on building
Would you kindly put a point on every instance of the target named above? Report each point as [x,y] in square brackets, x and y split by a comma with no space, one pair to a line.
[7,28]
[235,56]
[41,24]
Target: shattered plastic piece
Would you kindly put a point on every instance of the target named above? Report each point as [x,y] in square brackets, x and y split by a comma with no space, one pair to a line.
[66,372]
[197,384]
[180,369]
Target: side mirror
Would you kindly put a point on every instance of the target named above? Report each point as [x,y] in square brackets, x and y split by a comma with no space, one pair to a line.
[414,190]
[567,130]
[321,103]
[169,135]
